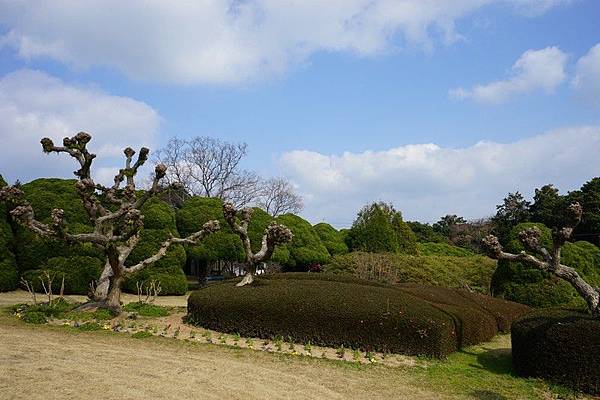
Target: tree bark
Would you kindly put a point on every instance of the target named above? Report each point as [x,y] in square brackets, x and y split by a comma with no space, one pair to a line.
[101,292]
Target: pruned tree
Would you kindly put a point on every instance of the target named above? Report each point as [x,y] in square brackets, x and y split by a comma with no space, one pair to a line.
[278,197]
[114,212]
[549,260]
[275,234]
[210,167]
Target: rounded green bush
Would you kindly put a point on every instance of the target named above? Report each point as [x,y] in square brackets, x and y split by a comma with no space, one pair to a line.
[336,310]
[158,215]
[331,238]
[528,285]
[78,271]
[172,280]
[9,278]
[305,248]
[560,345]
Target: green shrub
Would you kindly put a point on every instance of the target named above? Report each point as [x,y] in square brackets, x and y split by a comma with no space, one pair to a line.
[79,272]
[34,317]
[443,249]
[445,271]
[559,345]
[89,326]
[342,310]
[172,280]
[305,248]
[9,279]
[379,228]
[528,285]
[46,194]
[158,215]
[223,245]
[147,310]
[332,239]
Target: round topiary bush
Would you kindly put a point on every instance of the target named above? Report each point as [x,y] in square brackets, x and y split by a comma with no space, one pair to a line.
[336,310]
[559,345]
[331,238]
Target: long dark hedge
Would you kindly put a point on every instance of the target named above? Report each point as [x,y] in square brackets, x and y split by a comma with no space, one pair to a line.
[335,310]
[559,345]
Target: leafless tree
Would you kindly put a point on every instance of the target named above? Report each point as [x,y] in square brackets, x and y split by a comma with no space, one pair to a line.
[275,234]
[278,197]
[114,212]
[549,260]
[210,167]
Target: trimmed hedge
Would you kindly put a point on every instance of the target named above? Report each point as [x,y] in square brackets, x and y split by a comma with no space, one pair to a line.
[528,285]
[560,345]
[78,272]
[336,310]
[445,271]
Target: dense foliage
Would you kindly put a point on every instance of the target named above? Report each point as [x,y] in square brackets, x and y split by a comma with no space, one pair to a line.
[425,233]
[443,249]
[78,272]
[528,285]
[379,228]
[560,345]
[159,224]
[331,238]
[8,264]
[344,311]
[306,247]
[446,271]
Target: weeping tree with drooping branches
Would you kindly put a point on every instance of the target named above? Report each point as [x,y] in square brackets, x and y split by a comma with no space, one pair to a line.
[275,234]
[549,259]
[114,212]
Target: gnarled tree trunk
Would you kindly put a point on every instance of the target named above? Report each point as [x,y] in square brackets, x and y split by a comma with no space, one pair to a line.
[549,260]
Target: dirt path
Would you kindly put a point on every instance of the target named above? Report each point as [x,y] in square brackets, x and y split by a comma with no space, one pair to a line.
[22,296]
[50,363]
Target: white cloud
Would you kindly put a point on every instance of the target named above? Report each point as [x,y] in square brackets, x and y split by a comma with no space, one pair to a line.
[587,75]
[35,105]
[535,70]
[427,181]
[218,41]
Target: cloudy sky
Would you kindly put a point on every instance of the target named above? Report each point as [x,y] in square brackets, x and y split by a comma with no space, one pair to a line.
[437,106]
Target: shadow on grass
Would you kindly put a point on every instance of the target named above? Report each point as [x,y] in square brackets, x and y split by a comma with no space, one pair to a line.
[497,361]
[487,395]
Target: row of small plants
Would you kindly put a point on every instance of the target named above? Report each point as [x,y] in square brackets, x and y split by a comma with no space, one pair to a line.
[62,313]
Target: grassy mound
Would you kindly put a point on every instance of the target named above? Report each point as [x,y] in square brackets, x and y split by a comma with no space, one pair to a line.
[445,271]
[559,345]
[342,310]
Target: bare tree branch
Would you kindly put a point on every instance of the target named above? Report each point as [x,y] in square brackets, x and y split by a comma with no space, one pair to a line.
[278,197]
[116,232]
[551,260]
[275,234]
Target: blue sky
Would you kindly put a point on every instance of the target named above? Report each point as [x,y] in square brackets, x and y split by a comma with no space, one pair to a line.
[311,101]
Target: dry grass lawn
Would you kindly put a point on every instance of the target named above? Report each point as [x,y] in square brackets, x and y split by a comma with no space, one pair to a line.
[43,362]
